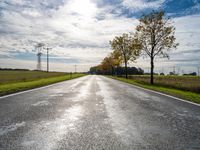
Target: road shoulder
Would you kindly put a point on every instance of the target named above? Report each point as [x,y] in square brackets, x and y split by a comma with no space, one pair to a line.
[185,96]
[15,88]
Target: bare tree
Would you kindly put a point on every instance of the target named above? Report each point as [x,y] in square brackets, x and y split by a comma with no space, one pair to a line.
[156,35]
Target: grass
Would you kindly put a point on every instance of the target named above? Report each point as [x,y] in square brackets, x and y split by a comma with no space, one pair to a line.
[16,81]
[24,76]
[186,83]
[187,95]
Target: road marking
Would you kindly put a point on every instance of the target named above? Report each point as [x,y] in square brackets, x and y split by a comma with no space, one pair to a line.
[176,98]
[26,91]
[35,89]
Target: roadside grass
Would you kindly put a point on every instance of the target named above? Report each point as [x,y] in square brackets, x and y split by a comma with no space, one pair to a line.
[12,76]
[185,83]
[14,87]
[187,95]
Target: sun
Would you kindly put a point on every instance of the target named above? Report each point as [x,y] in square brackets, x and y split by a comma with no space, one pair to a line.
[85,8]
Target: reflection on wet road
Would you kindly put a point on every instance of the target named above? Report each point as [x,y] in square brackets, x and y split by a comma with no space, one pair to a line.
[95,112]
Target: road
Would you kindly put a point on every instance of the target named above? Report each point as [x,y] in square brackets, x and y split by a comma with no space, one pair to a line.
[95,112]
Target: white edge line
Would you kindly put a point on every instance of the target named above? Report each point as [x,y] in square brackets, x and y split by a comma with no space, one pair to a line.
[35,89]
[176,98]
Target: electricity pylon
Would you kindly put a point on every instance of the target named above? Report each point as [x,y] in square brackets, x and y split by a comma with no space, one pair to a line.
[39,48]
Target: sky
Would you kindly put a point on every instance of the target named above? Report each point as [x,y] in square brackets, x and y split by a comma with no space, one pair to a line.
[79,31]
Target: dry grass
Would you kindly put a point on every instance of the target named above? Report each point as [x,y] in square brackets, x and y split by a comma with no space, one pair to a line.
[187,95]
[186,83]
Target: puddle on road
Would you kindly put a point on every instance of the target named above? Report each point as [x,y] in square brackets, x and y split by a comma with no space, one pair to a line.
[73,86]
[46,134]
[123,127]
[42,103]
[61,91]
[27,143]
[56,95]
[73,113]
[83,92]
[6,129]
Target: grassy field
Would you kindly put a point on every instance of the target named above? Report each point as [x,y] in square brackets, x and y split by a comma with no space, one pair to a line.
[15,81]
[186,83]
[24,76]
[185,87]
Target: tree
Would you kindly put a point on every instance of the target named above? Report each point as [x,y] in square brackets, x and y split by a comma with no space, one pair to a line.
[156,35]
[127,49]
[111,63]
[108,64]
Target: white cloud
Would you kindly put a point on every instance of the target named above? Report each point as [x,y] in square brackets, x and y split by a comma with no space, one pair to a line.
[78,30]
[18,2]
[137,5]
[188,32]
[85,8]
[73,30]
[31,12]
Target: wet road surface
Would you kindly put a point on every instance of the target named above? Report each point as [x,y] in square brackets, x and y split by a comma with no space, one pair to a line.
[95,112]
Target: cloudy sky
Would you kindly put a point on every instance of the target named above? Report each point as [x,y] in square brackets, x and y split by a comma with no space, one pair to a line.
[78,31]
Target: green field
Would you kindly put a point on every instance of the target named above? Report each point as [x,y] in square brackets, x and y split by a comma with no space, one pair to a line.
[185,87]
[15,81]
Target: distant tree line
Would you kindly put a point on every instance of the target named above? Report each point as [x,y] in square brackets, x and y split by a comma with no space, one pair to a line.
[153,37]
[116,71]
[7,69]
[190,74]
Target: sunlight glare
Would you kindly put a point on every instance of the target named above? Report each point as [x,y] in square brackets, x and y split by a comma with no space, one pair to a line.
[85,8]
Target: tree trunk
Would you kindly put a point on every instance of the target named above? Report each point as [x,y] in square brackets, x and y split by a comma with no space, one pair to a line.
[126,70]
[152,69]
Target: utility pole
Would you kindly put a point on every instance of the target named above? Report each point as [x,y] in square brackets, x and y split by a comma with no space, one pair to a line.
[48,58]
[198,70]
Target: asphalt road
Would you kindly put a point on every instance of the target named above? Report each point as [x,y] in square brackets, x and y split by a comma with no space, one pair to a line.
[95,112]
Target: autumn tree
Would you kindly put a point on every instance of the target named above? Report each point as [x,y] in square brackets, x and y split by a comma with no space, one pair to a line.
[110,62]
[127,48]
[107,65]
[156,34]
[117,60]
